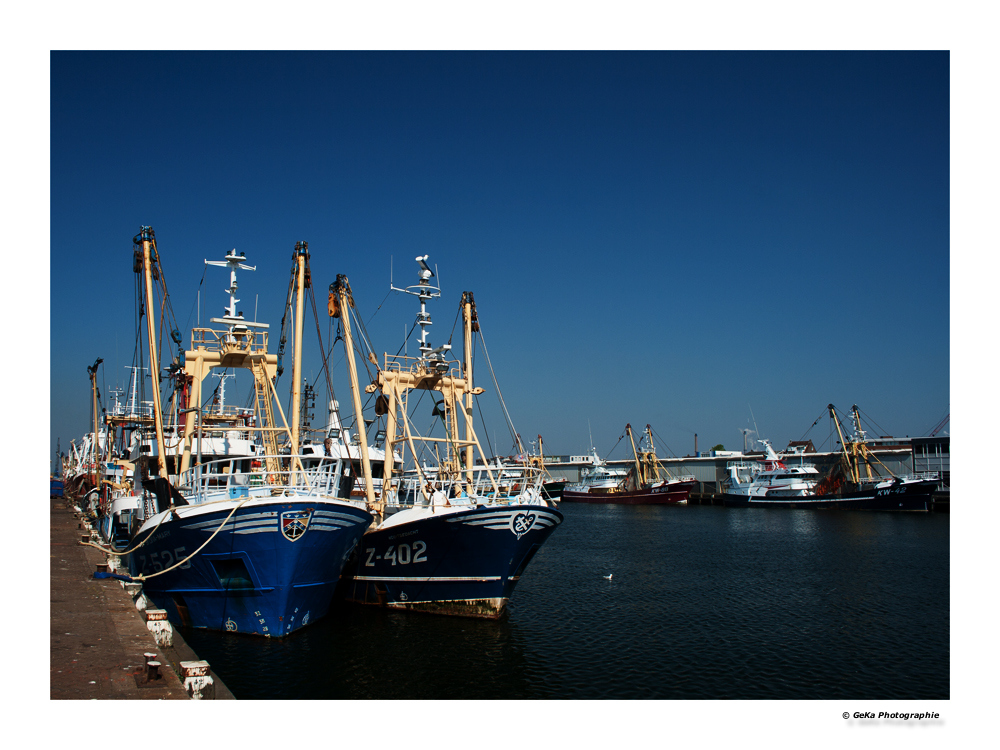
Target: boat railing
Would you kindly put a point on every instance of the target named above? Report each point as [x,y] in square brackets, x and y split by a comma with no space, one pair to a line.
[144,410]
[211,339]
[227,412]
[319,475]
[402,363]
[920,476]
[221,433]
[512,483]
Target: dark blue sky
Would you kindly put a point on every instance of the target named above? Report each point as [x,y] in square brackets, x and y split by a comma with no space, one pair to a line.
[663,238]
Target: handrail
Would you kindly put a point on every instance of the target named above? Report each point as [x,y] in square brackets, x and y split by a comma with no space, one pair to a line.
[321,475]
[510,487]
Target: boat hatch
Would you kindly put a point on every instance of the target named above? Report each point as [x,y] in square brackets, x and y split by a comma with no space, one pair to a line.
[233,573]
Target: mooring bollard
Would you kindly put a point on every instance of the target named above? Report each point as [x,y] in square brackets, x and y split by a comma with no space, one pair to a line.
[156,621]
[133,589]
[198,680]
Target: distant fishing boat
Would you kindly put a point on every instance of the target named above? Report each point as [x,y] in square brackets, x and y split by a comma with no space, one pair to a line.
[646,482]
[854,483]
[454,538]
[252,542]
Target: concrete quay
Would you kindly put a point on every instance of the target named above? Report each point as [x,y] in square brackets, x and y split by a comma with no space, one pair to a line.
[100,644]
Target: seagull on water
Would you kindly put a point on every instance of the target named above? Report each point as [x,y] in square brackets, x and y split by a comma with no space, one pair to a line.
[608,576]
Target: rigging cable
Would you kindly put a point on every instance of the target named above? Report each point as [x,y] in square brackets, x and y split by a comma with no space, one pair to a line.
[873,423]
[822,414]
[663,443]
[380,305]
[510,424]
[194,304]
[284,317]
[482,419]
[608,454]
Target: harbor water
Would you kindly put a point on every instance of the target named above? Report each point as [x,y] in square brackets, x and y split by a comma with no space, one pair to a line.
[703,602]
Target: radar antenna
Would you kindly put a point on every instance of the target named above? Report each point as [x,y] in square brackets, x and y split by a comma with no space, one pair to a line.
[425,291]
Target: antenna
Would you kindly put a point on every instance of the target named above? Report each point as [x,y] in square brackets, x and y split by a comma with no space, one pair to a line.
[222,389]
[756,431]
[425,291]
[231,318]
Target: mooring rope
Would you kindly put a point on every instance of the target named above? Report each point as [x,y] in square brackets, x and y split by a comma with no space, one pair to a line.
[111,550]
[140,577]
[181,562]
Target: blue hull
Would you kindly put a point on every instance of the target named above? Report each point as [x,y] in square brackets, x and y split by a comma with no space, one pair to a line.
[271,570]
[465,563]
[55,488]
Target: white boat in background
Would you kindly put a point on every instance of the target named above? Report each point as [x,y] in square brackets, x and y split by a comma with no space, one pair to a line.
[771,477]
[598,478]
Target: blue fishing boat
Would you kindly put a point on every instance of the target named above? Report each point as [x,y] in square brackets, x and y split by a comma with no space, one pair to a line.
[450,560]
[454,538]
[251,542]
[246,559]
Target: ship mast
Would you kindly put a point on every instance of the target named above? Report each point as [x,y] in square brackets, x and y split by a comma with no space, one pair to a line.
[92,371]
[858,446]
[301,258]
[843,444]
[638,467]
[149,256]
[652,463]
[345,301]
[471,323]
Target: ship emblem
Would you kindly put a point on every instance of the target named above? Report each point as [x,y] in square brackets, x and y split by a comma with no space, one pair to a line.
[520,523]
[231,625]
[294,523]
